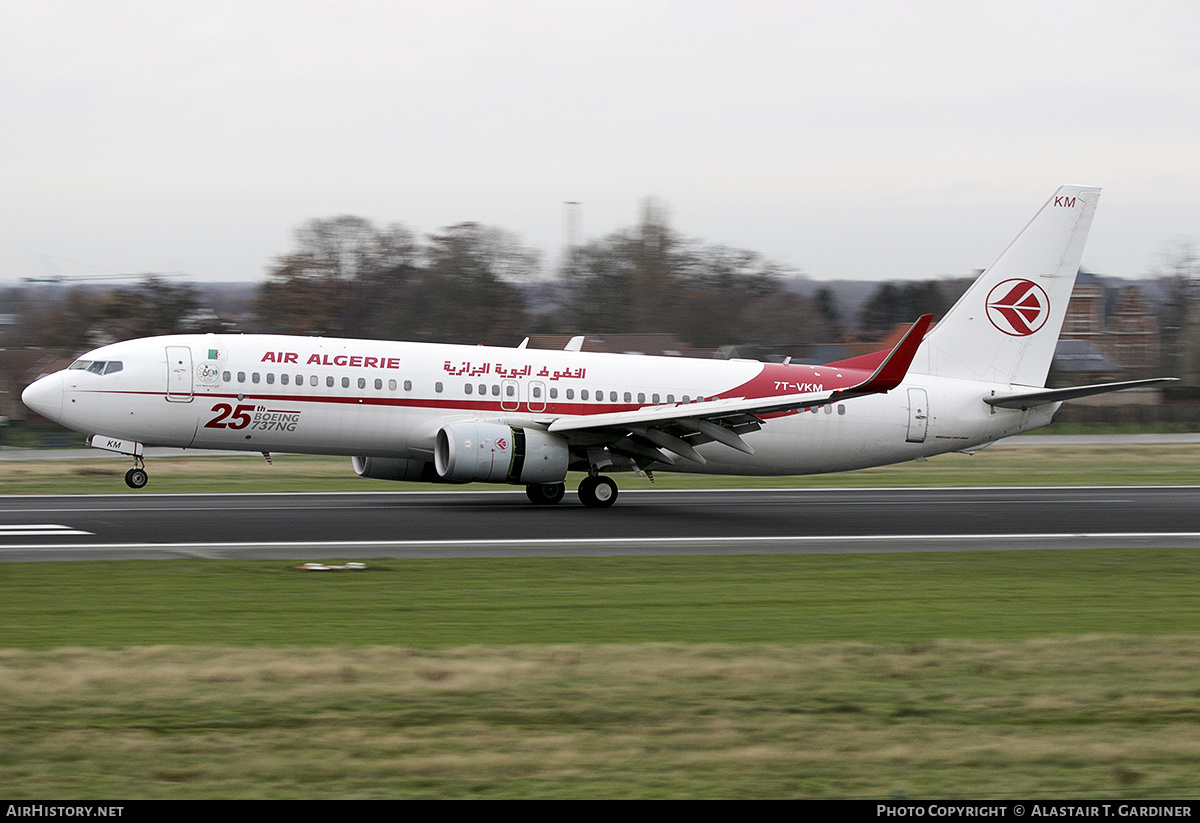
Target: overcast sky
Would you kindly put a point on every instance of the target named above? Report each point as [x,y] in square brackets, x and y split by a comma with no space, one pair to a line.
[847,139]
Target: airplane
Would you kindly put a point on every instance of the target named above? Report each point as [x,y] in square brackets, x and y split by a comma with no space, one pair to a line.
[520,416]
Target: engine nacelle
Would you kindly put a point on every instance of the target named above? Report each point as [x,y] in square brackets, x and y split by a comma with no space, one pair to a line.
[393,468]
[488,452]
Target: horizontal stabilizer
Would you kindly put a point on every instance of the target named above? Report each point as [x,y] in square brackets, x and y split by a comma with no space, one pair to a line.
[1027,400]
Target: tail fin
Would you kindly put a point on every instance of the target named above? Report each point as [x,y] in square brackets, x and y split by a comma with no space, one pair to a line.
[1006,326]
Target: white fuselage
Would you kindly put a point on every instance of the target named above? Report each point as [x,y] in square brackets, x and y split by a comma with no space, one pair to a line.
[270,393]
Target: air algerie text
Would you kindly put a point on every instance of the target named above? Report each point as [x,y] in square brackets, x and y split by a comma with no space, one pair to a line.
[354,361]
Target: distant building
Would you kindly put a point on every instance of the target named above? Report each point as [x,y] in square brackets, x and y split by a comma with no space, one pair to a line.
[1077,362]
[1133,337]
[1085,312]
[1118,325]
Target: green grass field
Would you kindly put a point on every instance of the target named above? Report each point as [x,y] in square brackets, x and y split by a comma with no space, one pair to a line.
[993,674]
[999,465]
[1021,674]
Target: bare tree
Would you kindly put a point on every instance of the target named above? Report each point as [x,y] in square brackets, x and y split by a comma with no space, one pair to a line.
[465,288]
[333,282]
[1180,315]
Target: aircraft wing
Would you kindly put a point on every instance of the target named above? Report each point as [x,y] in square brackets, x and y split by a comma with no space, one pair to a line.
[678,428]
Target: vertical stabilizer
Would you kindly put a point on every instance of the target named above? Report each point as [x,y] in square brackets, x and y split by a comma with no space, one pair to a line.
[1004,329]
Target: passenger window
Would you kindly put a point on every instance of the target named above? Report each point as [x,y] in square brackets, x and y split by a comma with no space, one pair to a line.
[509,390]
[254,378]
[628,397]
[345,382]
[329,381]
[437,387]
[362,382]
[571,394]
[468,388]
[583,395]
[537,392]
[407,385]
[841,409]
[553,393]
[241,377]
[270,378]
[495,390]
[482,389]
[283,379]
[379,384]
[654,398]
[392,385]
[313,380]
[226,376]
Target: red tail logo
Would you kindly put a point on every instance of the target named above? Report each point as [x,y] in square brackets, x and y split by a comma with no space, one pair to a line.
[1018,307]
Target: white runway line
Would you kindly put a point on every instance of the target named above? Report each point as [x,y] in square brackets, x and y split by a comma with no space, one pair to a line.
[37,530]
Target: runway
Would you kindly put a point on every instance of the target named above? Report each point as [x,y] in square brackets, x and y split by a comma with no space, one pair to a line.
[504,524]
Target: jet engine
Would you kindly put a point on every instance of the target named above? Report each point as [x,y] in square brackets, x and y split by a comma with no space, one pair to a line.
[392,468]
[491,452]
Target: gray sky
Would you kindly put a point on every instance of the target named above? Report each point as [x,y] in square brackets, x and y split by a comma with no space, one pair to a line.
[848,139]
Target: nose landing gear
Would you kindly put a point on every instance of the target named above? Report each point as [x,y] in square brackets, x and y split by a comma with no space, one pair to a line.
[136,478]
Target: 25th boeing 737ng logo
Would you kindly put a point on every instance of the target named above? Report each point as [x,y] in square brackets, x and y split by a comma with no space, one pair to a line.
[1018,307]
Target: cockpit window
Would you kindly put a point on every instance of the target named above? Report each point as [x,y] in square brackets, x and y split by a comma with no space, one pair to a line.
[97,366]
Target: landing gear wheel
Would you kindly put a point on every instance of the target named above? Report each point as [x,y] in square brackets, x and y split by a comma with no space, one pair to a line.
[597,492]
[546,494]
[136,478]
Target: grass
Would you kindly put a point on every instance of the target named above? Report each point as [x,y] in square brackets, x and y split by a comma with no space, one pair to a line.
[999,465]
[1107,717]
[873,598]
[1005,674]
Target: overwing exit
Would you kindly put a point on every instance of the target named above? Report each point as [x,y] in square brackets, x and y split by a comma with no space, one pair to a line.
[457,414]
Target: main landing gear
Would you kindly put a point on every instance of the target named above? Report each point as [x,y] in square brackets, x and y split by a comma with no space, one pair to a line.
[595,492]
[546,494]
[136,478]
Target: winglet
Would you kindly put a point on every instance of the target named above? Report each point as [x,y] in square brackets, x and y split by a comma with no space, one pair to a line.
[894,367]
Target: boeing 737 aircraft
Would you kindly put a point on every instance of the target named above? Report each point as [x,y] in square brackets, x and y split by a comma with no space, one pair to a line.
[420,411]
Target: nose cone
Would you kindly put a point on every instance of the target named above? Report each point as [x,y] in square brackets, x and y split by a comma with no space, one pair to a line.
[45,396]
